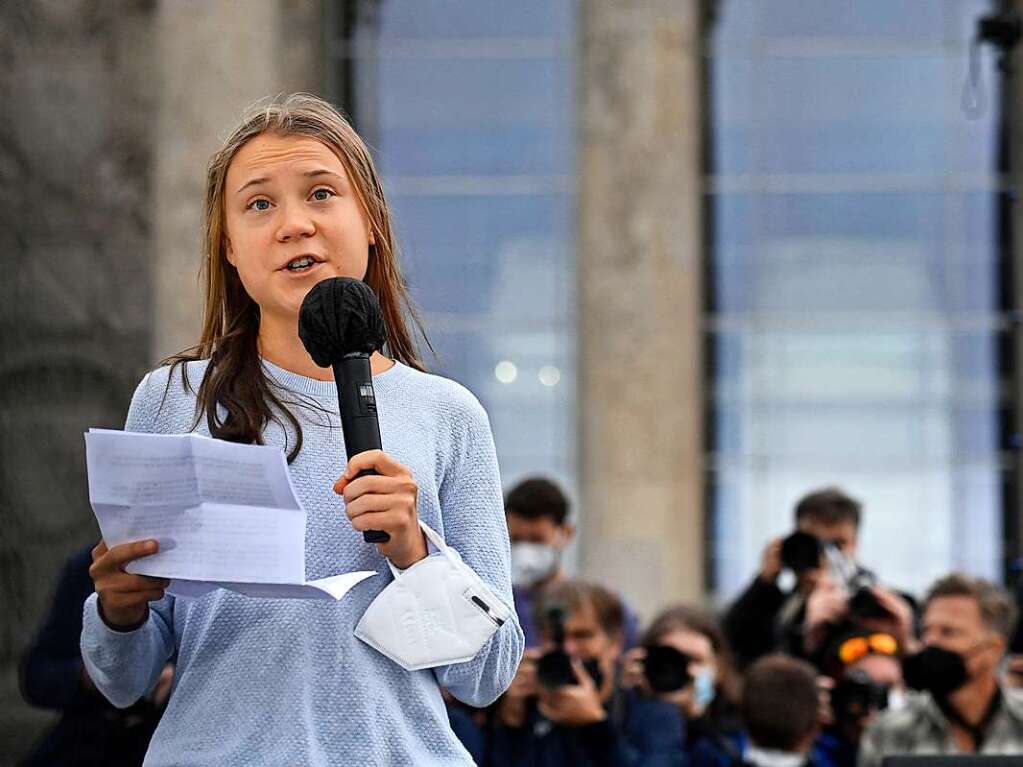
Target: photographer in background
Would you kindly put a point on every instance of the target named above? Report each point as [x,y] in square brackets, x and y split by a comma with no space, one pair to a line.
[764,618]
[864,677]
[683,660]
[566,706]
[537,513]
[962,707]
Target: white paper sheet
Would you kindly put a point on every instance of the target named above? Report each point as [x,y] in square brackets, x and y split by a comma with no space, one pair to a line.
[225,515]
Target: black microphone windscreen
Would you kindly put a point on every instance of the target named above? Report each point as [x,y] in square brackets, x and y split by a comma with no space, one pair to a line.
[340,316]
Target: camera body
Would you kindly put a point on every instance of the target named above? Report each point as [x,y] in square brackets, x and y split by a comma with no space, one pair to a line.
[856,696]
[801,552]
[666,669]
[554,667]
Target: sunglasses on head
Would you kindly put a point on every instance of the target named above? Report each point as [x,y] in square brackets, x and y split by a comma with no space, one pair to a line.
[855,648]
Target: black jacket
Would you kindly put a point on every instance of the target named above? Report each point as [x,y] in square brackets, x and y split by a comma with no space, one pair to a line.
[91,731]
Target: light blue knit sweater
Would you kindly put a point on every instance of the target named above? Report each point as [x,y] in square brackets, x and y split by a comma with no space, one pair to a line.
[285,682]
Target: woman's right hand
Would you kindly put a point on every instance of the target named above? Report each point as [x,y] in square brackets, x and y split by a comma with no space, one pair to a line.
[124,598]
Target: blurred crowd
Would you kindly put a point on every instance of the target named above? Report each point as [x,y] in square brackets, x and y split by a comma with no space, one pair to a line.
[818,662]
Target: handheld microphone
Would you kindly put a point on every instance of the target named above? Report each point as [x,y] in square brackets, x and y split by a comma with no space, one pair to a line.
[341,325]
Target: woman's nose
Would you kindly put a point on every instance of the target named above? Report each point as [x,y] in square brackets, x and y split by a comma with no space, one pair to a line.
[295,223]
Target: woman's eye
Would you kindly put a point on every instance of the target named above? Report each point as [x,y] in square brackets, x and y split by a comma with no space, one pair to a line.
[322,195]
[260,205]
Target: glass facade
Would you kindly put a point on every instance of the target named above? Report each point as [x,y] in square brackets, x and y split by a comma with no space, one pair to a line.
[854,282]
[471,116]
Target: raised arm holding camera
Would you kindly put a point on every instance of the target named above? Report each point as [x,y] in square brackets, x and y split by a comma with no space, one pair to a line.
[765,618]
[566,705]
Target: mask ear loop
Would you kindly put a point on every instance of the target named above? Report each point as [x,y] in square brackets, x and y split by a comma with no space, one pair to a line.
[433,537]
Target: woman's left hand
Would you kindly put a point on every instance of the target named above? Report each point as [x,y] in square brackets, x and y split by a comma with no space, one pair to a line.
[384,501]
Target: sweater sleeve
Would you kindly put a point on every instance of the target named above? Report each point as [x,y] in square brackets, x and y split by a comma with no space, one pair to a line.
[125,665]
[472,509]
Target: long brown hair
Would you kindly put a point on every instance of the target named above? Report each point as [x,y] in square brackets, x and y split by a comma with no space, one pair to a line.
[235,379]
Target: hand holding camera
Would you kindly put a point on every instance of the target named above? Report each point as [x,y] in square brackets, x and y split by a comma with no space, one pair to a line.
[554,669]
[771,562]
[665,673]
[568,689]
[573,705]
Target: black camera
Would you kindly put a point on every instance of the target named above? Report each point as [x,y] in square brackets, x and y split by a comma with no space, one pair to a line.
[863,603]
[856,696]
[801,552]
[666,669]
[554,668]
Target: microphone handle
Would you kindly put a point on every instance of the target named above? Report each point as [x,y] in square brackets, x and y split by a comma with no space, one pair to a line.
[359,422]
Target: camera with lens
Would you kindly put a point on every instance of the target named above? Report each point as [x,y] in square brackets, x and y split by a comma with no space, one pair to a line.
[856,696]
[858,583]
[801,552]
[863,603]
[666,669]
[554,668]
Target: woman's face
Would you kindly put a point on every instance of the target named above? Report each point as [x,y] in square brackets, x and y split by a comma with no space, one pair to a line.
[288,203]
[696,646]
[704,662]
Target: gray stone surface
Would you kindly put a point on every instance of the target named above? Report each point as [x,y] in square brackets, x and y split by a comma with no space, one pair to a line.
[640,297]
[76,82]
[111,110]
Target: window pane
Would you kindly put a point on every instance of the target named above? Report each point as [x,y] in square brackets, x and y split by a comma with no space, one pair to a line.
[854,290]
[475,143]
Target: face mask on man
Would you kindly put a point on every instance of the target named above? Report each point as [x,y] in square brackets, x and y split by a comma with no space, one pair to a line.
[935,670]
[532,563]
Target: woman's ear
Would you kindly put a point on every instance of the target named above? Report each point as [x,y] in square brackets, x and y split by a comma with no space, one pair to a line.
[229,252]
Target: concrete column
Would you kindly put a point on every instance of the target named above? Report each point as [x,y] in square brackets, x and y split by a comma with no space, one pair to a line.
[217,57]
[640,292]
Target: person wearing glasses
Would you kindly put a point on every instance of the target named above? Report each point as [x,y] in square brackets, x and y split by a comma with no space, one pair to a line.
[862,676]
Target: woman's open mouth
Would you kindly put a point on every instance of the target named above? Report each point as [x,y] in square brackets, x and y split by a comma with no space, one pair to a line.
[301,265]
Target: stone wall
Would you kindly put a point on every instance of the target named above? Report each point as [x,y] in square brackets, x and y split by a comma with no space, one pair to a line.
[111,109]
[77,84]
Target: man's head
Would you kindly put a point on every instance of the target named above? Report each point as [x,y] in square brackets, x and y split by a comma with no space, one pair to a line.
[780,704]
[971,617]
[537,513]
[594,621]
[833,517]
[866,669]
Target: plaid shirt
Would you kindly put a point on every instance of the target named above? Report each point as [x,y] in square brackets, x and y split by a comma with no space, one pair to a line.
[921,728]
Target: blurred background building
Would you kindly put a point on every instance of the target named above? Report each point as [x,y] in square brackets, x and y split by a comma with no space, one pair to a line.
[694,257]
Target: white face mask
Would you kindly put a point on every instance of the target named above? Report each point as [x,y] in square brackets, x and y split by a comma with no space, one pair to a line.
[533,562]
[704,690]
[435,613]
